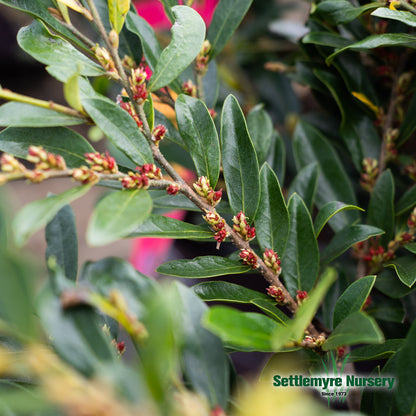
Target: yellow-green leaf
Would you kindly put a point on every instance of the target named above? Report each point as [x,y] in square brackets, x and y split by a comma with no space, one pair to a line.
[117,11]
[71,92]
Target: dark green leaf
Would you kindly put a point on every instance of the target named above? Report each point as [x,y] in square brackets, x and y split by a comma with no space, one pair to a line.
[346,238]
[381,206]
[356,328]
[405,268]
[326,39]
[376,352]
[272,226]
[117,215]
[188,34]
[402,16]
[277,157]
[62,241]
[300,263]
[227,16]
[353,299]
[167,5]
[407,201]
[37,214]
[200,136]
[178,201]
[305,184]
[58,140]
[410,247]
[388,283]
[202,267]
[383,308]
[120,128]
[241,330]
[239,159]
[271,309]
[407,126]
[211,85]
[333,184]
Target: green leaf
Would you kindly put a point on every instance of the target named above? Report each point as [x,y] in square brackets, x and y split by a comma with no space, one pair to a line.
[167,5]
[333,184]
[16,114]
[326,39]
[377,41]
[388,283]
[62,241]
[62,58]
[353,299]
[117,10]
[200,136]
[328,211]
[72,92]
[149,111]
[188,34]
[381,206]
[37,214]
[203,357]
[407,127]
[277,158]
[172,133]
[300,263]
[227,17]
[164,227]
[305,184]
[71,146]
[295,330]
[203,267]
[376,352]
[346,238]
[242,330]
[407,201]
[239,160]
[405,268]
[356,328]
[117,215]
[120,128]
[410,247]
[260,128]
[272,226]
[399,15]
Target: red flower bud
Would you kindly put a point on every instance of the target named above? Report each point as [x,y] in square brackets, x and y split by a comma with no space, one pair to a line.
[173,189]
[249,258]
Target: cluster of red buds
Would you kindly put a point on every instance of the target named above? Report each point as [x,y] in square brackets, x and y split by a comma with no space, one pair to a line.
[249,258]
[85,175]
[124,102]
[119,346]
[217,224]
[44,160]
[140,179]
[277,293]
[369,174]
[9,164]
[341,352]
[103,163]
[150,170]
[301,295]
[272,260]
[242,227]
[312,342]
[391,137]
[158,133]
[173,188]
[201,62]
[189,88]
[204,189]
[106,61]
[138,84]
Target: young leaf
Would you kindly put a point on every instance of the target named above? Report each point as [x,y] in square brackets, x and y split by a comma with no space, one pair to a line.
[37,214]
[300,263]
[353,298]
[203,267]
[117,215]
[117,11]
[71,146]
[120,128]
[227,16]
[71,92]
[188,34]
[200,136]
[272,226]
[405,268]
[356,328]
[239,160]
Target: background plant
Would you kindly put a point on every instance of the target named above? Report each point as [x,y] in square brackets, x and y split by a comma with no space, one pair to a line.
[325,221]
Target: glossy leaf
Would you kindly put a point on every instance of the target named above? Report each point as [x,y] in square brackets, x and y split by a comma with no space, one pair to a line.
[62,241]
[272,226]
[200,136]
[117,11]
[381,206]
[353,299]
[405,268]
[326,39]
[71,146]
[305,184]
[407,201]
[300,263]
[37,214]
[203,267]
[356,328]
[227,17]
[241,330]
[16,114]
[410,247]
[376,352]
[120,128]
[117,215]
[188,34]
[388,283]
[204,360]
[346,238]
[400,15]
[239,160]
[333,183]
[158,226]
